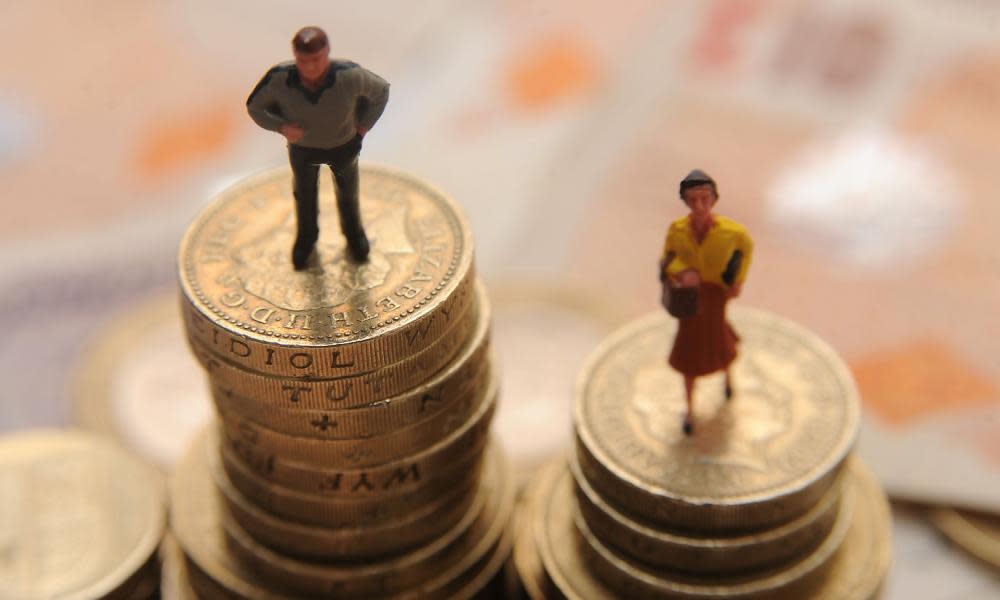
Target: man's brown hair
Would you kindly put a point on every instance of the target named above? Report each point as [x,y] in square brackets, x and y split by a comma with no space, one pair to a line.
[309,40]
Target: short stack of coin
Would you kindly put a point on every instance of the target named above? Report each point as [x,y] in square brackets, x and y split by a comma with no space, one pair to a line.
[81,519]
[351,455]
[763,500]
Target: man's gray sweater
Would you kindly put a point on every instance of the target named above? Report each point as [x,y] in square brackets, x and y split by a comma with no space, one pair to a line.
[350,97]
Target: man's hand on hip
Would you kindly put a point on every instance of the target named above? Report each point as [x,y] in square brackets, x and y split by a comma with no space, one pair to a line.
[293,133]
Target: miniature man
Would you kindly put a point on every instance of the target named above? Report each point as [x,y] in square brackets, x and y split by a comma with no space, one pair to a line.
[705,261]
[324,108]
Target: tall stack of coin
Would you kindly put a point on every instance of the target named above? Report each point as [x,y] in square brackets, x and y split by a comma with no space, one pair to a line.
[351,454]
[763,500]
[81,519]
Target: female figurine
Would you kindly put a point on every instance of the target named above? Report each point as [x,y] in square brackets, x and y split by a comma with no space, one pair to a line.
[705,261]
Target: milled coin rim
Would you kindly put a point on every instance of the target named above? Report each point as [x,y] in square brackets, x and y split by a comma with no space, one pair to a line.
[774,580]
[495,531]
[396,376]
[835,458]
[76,441]
[318,535]
[199,554]
[475,427]
[826,508]
[475,358]
[461,263]
[874,521]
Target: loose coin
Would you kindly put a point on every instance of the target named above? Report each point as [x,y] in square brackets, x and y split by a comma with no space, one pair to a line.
[82,519]
[138,383]
[978,533]
[337,317]
[756,461]
[323,476]
[670,550]
[426,572]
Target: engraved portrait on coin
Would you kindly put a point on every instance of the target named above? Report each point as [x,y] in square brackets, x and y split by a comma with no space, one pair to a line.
[736,434]
[244,302]
[259,263]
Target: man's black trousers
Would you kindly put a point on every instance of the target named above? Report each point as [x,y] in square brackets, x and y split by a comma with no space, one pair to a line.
[343,161]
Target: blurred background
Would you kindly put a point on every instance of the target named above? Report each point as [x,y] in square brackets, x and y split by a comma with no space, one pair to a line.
[858,141]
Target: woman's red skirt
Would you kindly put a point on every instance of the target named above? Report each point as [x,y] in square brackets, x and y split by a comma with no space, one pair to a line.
[706,342]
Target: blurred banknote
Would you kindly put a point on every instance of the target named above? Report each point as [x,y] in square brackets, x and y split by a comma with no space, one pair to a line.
[855,140]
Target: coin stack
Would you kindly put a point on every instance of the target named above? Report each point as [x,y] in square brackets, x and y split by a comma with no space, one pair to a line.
[81,519]
[351,454]
[763,500]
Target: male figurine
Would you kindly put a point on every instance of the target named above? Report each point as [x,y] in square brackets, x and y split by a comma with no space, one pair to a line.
[323,108]
[705,261]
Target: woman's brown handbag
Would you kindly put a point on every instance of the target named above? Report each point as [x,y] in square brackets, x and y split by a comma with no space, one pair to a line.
[680,302]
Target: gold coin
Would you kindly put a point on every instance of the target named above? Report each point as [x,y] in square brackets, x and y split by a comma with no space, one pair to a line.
[756,461]
[138,383]
[81,517]
[978,533]
[380,418]
[377,450]
[198,516]
[348,391]
[353,539]
[336,318]
[466,375]
[849,564]
[323,476]
[639,581]
[858,569]
[338,510]
[692,553]
[450,585]
[470,585]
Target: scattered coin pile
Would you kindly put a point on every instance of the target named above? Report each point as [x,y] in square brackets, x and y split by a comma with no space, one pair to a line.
[81,519]
[764,500]
[351,454]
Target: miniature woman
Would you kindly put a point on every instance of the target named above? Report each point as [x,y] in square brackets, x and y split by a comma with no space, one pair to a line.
[704,264]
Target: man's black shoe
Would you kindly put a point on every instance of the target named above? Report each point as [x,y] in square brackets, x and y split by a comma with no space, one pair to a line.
[300,254]
[358,248]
